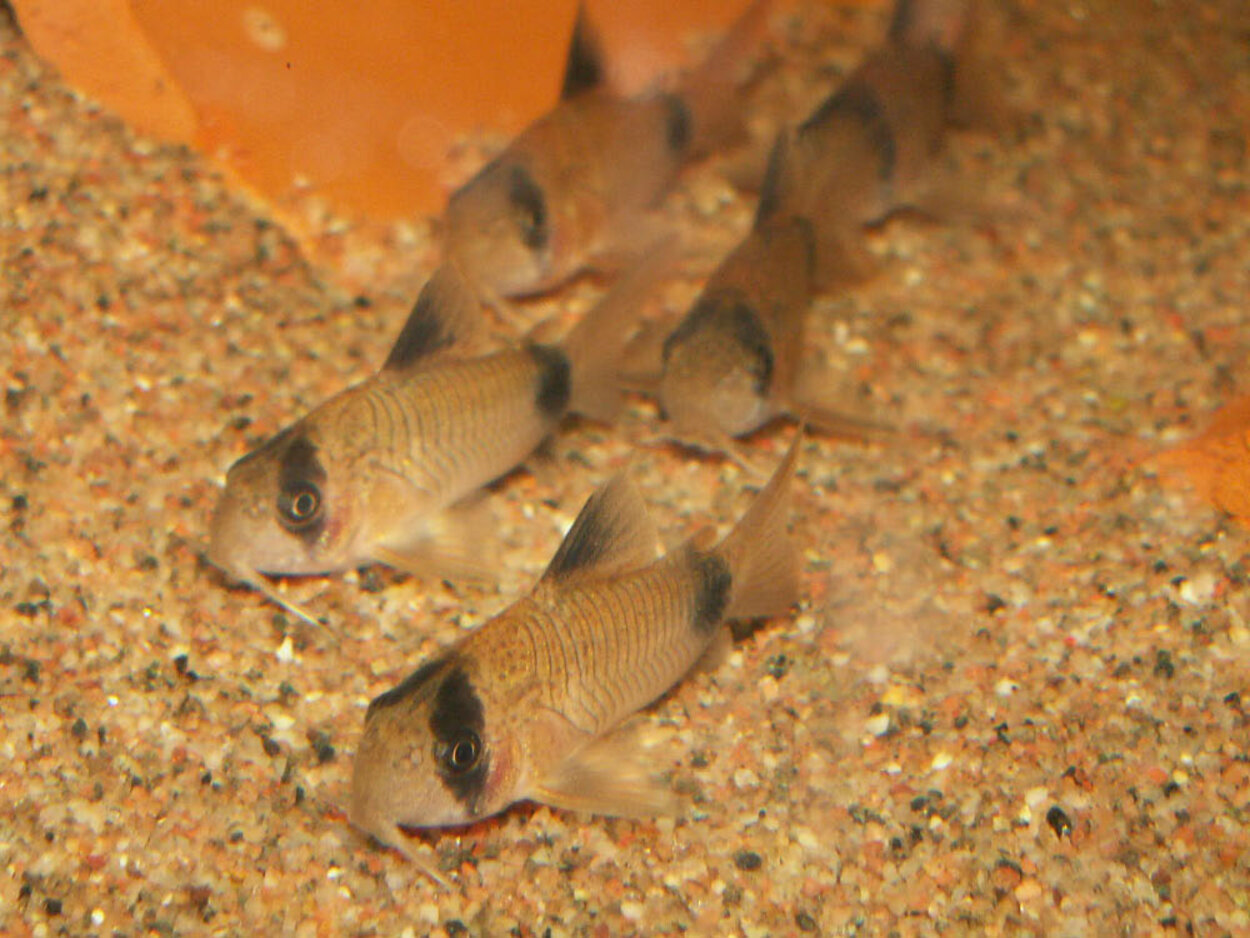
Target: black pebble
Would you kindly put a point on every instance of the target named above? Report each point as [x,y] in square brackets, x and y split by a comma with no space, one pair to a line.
[748,860]
[52,906]
[778,666]
[804,921]
[322,747]
[1059,821]
[1163,664]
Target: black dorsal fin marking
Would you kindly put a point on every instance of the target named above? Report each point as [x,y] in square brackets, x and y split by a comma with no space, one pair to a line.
[612,534]
[772,192]
[443,316]
[583,70]
[901,21]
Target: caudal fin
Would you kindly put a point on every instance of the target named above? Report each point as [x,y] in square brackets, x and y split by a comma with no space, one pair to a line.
[596,345]
[942,23]
[967,32]
[762,558]
[713,91]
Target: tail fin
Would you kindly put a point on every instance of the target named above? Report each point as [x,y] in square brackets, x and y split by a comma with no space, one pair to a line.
[839,259]
[596,345]
[966,31]
[712,92]
[762,559]
[942,23]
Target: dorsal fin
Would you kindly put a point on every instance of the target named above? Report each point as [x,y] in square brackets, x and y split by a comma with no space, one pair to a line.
[612,534]
[583,70]
[773,194]
[446,313]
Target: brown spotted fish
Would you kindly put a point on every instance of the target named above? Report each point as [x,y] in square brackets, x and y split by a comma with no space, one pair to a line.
[731,365]
[518,710]
[369,475]
[572,186]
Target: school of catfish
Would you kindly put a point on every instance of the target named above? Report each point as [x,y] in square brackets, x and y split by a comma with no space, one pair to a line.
[391,470]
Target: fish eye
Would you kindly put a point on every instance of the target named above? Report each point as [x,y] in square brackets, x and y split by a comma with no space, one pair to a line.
[299,504]
[463,753]
[530,207]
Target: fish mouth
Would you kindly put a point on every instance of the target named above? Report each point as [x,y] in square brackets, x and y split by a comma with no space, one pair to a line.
[223,541]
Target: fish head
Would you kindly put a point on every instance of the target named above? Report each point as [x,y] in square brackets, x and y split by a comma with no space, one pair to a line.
[717,369]
[427,758]
[286,510]
[502,230]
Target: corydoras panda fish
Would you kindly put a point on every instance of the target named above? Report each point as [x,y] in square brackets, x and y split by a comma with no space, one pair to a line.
[518,709]
[575,184]
[370,475]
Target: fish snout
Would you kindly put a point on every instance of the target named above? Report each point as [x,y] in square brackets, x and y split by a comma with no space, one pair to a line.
[228,539]
[367,815]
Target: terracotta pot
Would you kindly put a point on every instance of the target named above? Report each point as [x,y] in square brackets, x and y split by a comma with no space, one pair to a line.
[360,103]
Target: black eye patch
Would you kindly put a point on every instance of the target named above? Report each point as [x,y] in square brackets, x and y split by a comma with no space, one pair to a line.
[530,206]
[678,123]
[457,721]
[300,477]
[727,312]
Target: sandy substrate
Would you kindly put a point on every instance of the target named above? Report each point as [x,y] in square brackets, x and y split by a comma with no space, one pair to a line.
[1013,701]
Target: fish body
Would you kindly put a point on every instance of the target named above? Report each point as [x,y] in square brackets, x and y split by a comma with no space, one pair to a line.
[556,198]
[367,476]
[379,459]
[566,190]
[514,711]
[732,363]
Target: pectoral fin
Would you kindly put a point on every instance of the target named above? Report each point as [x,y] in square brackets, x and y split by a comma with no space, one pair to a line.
[815,400]
[642,364]
[829,420]
[455,543]
[606,777]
